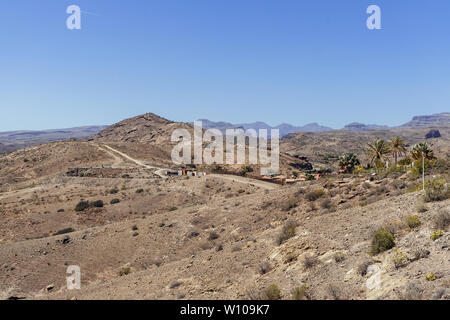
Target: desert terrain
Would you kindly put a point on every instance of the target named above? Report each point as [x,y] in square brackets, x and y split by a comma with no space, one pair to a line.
[107,204]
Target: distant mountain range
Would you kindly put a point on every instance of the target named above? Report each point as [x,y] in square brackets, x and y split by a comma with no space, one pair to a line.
[13,140]
[285,128]
[150,127]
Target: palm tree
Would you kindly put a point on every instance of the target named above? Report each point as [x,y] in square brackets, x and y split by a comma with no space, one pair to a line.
[378,150]
[397,146]
[422,149]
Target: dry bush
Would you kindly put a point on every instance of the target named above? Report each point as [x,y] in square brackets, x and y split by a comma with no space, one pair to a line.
[314,195]
[413,222]
[326,203]
[413,292]
[213,236]
[264,267]
[287,232]
[420,254]
[290,204]
[400,259]
[335,291]
[442,219]
[436,190]
[339,256]
[290,257]
[310,261]
[421,207]
[394,226]
[271,293]
[362,267]
[301,293]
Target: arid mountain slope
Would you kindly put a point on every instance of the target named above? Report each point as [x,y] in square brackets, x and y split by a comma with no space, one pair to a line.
[323,148]
[146,128]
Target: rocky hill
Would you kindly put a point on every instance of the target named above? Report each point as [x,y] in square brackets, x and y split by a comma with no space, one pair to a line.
[441,119]
[145,128]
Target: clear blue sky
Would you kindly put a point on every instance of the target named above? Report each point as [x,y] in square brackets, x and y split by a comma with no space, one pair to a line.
[233,60]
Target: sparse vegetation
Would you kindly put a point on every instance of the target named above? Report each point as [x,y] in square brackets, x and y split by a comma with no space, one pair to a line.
[430,277]
[301,293]
[413,221]
[436,190]
[442,219]
[287,232]
[264,267]
[399,258]
[436,234]
[382,240]
[314,195]
[290,204]
[124,271]
[271,293]
[310,261]
[114,201]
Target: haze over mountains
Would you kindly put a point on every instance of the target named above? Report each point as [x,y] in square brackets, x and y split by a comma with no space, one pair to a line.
[13,140]
[285,128]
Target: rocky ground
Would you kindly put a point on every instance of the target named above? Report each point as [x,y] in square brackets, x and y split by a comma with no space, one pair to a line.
[217,237]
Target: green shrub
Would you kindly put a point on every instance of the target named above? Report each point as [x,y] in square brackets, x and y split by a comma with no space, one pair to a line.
[413,222]
[348,162]
[436,234]
[114,201]
[271,293]
[81,206]
[400,258]
[382,240]
[124,271]
[430,277]
[436,190]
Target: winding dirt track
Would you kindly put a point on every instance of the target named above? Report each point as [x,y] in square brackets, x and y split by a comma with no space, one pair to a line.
[161,172]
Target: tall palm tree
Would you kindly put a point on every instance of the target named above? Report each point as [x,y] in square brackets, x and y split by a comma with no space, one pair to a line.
[378,150]
[422,149]
[397,146]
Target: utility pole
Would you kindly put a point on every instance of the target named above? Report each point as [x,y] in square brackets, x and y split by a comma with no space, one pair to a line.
[423,171]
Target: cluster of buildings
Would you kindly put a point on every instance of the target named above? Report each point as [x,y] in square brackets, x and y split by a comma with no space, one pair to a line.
[187,173]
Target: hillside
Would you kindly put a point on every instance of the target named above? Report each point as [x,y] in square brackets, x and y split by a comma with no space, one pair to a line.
[14,140]
[107,206]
